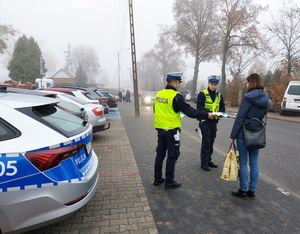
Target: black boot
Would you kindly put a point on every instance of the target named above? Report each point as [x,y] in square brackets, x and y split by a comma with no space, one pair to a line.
[211,164]
[239,193]
[172,185]
[157,182]
[251,194]
[205,168]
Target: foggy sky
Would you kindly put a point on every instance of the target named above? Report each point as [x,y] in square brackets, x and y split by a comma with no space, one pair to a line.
[102,24]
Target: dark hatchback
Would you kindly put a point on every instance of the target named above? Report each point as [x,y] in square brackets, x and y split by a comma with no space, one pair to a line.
[111,101]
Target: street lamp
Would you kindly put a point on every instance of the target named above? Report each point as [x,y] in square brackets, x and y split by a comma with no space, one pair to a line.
[119,82]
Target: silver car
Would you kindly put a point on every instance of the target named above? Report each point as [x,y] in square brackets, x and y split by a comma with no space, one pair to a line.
[48,169]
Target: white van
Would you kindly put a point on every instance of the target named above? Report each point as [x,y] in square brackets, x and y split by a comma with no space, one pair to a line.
[291,98]
[41,83]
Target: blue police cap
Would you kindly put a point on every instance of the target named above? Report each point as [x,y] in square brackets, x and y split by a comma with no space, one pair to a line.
[174,76]
[213,79]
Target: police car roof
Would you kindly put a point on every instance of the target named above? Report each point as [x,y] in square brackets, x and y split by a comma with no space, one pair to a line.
[17,100]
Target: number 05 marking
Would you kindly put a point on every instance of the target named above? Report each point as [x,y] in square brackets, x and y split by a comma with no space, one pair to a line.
[9,170]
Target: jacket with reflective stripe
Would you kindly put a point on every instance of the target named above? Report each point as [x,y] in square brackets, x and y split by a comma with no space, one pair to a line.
[164,115]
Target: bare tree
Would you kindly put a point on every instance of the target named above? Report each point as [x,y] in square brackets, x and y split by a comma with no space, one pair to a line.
[167,54]
[164,57]
[195,31]
[237,27]
[258,67]
[240,59]
[87,58]
[285,31]
[150,77]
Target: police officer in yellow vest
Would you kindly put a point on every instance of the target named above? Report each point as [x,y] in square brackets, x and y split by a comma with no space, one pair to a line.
[211,100]
[168,104]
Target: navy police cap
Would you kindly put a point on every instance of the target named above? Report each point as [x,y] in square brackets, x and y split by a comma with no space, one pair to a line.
[174,76]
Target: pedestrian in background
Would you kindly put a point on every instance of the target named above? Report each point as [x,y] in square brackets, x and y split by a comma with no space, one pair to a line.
[211,100]
[168,104]
[254,104]
[124,95]
[120,96]
[128,96]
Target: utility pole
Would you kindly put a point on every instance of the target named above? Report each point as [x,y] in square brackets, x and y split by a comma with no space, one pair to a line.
[133,58]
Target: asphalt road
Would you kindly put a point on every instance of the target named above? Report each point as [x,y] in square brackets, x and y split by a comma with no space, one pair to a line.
[279,168]
[279,161]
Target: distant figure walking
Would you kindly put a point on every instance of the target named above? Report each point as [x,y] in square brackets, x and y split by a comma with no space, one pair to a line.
[124,95]
[128,96]
[120,96]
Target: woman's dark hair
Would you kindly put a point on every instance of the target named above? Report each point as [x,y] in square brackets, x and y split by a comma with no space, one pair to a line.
[254,82]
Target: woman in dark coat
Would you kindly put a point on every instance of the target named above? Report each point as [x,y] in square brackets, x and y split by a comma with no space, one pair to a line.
[254,104]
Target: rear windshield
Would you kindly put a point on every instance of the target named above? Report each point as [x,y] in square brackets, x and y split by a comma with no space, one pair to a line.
[70,107]
[56,118]
[294,90]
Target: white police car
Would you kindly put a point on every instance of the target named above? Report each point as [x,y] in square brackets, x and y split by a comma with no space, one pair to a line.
[48,168]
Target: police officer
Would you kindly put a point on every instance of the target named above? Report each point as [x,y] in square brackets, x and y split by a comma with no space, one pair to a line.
[211,100]
[168,104]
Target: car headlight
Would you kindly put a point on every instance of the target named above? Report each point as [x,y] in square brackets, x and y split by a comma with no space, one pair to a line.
[147,99]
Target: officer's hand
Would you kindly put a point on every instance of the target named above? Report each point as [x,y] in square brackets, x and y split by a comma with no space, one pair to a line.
[210,115]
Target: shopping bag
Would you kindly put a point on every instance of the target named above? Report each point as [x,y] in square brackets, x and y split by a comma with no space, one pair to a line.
[231,164]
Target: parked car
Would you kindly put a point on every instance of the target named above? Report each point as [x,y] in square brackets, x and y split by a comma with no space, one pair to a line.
[94,112]
[291,98]
[48,167]
[111,100]
[187,95]
[67,106]
[148,98]
[91,92]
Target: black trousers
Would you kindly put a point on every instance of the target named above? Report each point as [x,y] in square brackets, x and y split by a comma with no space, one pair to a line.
[208,131]
[168,141]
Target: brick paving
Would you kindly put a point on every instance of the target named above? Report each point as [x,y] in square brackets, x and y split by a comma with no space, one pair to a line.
[120,204]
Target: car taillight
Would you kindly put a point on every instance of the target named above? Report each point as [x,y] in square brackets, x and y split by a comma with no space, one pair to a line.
[97,111]
[284,102]
[102,100]
[46,159]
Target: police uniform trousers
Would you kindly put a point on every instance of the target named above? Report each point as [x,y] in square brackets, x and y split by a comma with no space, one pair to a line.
[208,131]
[168,142]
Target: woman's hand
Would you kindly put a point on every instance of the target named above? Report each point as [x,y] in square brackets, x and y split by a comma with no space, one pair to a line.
[233,115]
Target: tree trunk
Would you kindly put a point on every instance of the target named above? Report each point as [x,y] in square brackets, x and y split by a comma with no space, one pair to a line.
[195,78]
[224,59]
[289,63]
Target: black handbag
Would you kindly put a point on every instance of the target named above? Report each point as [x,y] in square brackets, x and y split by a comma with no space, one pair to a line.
[255,137]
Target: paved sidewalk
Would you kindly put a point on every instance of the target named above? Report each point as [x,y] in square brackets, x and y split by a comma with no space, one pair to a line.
[120,204]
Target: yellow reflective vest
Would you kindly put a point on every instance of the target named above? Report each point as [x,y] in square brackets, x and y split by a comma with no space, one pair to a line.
[164,115]
[209,104]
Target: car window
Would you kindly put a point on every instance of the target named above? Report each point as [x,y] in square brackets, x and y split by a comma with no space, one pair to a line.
[89,96]
[294,90]
[81,101]
[100,93]
[7,131]
[56,118]
[69,107]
